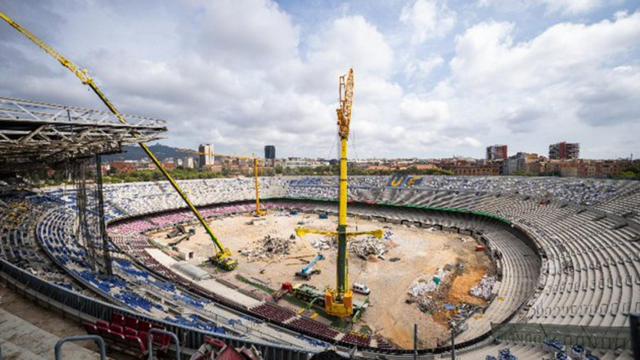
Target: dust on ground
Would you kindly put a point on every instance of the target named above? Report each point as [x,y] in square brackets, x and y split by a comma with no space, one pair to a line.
[420,252]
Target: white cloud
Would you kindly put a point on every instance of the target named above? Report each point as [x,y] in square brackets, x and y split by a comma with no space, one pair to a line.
[572,7]
[428,19]
[243,32]
[240,74]
[425,112]
[486,54]
[422,69]
[557,85]
[552,7]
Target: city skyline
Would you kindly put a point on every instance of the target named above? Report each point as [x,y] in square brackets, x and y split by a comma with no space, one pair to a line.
[433,78]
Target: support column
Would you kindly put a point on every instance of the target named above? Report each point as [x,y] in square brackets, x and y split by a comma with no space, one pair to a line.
[106,256]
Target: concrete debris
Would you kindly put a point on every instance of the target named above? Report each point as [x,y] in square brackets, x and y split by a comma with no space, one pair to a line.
[361,246]
[367,246]
[484,289]
[267,248]
[424,286]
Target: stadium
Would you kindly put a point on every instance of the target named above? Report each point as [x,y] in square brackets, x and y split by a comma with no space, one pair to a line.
[296,267]
[564,254]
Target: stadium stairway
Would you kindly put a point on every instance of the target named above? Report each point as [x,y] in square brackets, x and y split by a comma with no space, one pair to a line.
[19,339]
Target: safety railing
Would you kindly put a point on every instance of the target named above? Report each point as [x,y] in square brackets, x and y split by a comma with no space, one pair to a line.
[592,336]
[96,338]
[165,333]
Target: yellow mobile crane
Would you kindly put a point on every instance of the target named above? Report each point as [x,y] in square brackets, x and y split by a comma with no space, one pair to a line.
[223,257]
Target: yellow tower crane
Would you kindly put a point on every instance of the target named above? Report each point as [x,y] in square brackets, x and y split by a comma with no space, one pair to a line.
[339,301]
[223,257]
[256,174]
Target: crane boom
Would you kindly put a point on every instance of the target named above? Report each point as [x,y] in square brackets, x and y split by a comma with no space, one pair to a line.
[223,256]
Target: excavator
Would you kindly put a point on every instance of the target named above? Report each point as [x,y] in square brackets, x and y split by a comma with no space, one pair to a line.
[309,270]
[223,257]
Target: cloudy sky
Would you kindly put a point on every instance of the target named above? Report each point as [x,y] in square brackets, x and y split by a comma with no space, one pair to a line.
[434,78]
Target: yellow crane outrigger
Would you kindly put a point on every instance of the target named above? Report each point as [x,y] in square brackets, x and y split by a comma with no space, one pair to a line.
[223,257]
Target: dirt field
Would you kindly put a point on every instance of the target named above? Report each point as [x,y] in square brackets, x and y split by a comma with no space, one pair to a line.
[421,253]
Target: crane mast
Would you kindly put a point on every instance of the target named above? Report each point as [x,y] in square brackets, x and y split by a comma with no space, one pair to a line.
[256,175]
[223,256]
[339,301]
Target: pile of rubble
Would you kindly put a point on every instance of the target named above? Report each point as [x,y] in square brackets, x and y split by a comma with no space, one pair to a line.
[484,289]
[324,243]
[360,246]
[268,248]
[367,246]
[424,286]
[430,292]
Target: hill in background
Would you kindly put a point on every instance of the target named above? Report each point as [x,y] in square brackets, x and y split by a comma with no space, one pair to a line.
[163,152]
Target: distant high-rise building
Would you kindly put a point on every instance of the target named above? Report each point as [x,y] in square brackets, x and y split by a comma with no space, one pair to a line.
[270,152]
[206,155]
[497,152]
[564,151]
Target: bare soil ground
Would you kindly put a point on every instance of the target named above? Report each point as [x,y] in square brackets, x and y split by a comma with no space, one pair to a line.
[421,253]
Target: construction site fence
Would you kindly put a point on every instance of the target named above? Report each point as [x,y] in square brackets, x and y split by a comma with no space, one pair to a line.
[597,337]
[85,309]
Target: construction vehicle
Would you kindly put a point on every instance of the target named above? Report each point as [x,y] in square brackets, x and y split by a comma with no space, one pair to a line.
[178,229]
[309,294]
[339,301]
[361,288]
[286,288]
[308,270]
[223,257]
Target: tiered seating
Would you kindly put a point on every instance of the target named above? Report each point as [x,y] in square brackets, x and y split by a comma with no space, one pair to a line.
[274,312]
[17,244]
[313,327]
[357,339]
[589,273]
[129,333]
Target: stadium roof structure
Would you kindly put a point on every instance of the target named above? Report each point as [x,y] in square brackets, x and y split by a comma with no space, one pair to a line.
[36,134]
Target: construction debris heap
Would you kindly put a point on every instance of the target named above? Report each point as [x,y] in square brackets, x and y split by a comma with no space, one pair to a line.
[268,247]
[363,247]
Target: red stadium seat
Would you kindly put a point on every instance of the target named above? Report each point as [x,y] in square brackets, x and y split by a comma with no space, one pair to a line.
[137,343]
[144,326]
[130,331]
[90,328]
[116,328]
[131,322]
[118,319]
[102,324]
